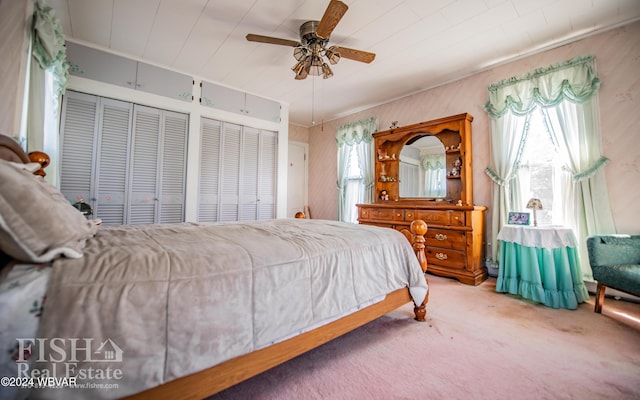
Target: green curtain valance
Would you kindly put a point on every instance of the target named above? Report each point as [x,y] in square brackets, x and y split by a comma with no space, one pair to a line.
[356,132]
[574,80]
[48,45]
[433,162]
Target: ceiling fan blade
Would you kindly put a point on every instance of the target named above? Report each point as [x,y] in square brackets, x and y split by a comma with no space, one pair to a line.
[272,40]
[357,55]
[332,15]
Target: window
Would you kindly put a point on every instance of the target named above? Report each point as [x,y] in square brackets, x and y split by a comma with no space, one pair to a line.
[355,167]
[539,172]
[354,191]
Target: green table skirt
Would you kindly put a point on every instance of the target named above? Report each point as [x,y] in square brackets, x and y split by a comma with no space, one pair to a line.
[548,276]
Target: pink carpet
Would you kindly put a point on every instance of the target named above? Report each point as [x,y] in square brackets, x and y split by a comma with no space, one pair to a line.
[476,344]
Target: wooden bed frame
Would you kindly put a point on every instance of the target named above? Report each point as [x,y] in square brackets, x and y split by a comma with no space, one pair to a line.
[224,375]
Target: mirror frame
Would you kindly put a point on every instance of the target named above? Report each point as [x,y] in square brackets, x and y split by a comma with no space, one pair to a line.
[453,132]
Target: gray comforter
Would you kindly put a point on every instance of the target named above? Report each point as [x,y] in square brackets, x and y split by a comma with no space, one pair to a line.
[159,302]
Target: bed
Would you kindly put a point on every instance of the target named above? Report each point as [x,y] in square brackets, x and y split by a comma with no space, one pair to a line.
[181,310]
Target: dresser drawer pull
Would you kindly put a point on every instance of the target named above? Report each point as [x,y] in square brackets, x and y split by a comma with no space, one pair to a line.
[397,215]
[441,256]
[440,236]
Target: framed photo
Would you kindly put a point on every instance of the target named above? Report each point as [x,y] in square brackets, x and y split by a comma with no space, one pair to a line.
[518,218]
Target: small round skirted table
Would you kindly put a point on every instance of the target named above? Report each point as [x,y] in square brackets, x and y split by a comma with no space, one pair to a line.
[541,264]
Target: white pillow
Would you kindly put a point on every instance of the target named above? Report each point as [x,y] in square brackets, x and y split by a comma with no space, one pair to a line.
[37,224]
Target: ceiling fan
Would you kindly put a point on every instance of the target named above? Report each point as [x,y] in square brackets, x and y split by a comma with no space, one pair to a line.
[312,47]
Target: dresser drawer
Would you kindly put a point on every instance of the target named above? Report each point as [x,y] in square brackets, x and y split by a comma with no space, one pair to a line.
[437,217]
[444,238]
[382,214]
[456,218]
[446,257]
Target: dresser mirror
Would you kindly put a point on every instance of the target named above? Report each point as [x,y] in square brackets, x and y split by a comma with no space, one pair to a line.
[423,172]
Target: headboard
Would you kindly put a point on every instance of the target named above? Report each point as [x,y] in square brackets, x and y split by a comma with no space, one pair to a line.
[10,150]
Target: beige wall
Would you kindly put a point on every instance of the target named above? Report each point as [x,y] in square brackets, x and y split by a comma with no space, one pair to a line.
[618,61]
[298,133]
[14,23]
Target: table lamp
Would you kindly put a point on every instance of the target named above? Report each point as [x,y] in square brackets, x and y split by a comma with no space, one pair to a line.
[534,204]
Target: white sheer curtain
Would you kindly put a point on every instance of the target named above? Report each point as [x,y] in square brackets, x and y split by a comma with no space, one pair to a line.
[575,130]
[507,143]
[435,181]
[357,134]
[567,95]
[47,80]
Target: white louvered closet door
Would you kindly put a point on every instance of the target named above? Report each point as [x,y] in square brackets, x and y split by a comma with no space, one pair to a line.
[157,166]
[173,159]
[112,154]
[230,172]
[95,134]
[248,197]
[209,182]
[238,168]
[78,128]
[144,171]
[128,161]
[267,175]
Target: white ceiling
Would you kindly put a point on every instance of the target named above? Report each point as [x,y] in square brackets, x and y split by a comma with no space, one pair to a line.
[419,44]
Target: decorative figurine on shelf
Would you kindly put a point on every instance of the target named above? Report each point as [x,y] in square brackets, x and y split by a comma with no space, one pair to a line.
[457,165]
[382,154]
[394,125]
[459,203]
[384,196]
[383,173]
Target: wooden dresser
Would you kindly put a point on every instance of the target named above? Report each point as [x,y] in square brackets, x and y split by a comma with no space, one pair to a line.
[455,233]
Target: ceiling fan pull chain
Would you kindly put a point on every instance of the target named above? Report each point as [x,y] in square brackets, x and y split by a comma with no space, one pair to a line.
[313,100]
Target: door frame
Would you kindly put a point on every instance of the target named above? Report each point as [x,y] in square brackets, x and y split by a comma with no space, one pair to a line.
[306,171]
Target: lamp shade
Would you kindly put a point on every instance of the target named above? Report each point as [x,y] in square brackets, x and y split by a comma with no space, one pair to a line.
[535,204]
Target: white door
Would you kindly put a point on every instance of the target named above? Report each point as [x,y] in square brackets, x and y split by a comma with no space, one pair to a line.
[297,178]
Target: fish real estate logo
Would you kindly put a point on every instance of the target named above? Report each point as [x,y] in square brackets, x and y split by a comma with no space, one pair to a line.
[62,362]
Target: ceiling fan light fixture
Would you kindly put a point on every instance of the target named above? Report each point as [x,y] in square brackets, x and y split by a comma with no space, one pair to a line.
[313,46]
[298,67]
[300,53]
[315,68]
[332,55]
[326,71]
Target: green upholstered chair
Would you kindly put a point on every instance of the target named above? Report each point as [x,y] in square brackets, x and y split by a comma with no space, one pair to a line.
[615,262]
